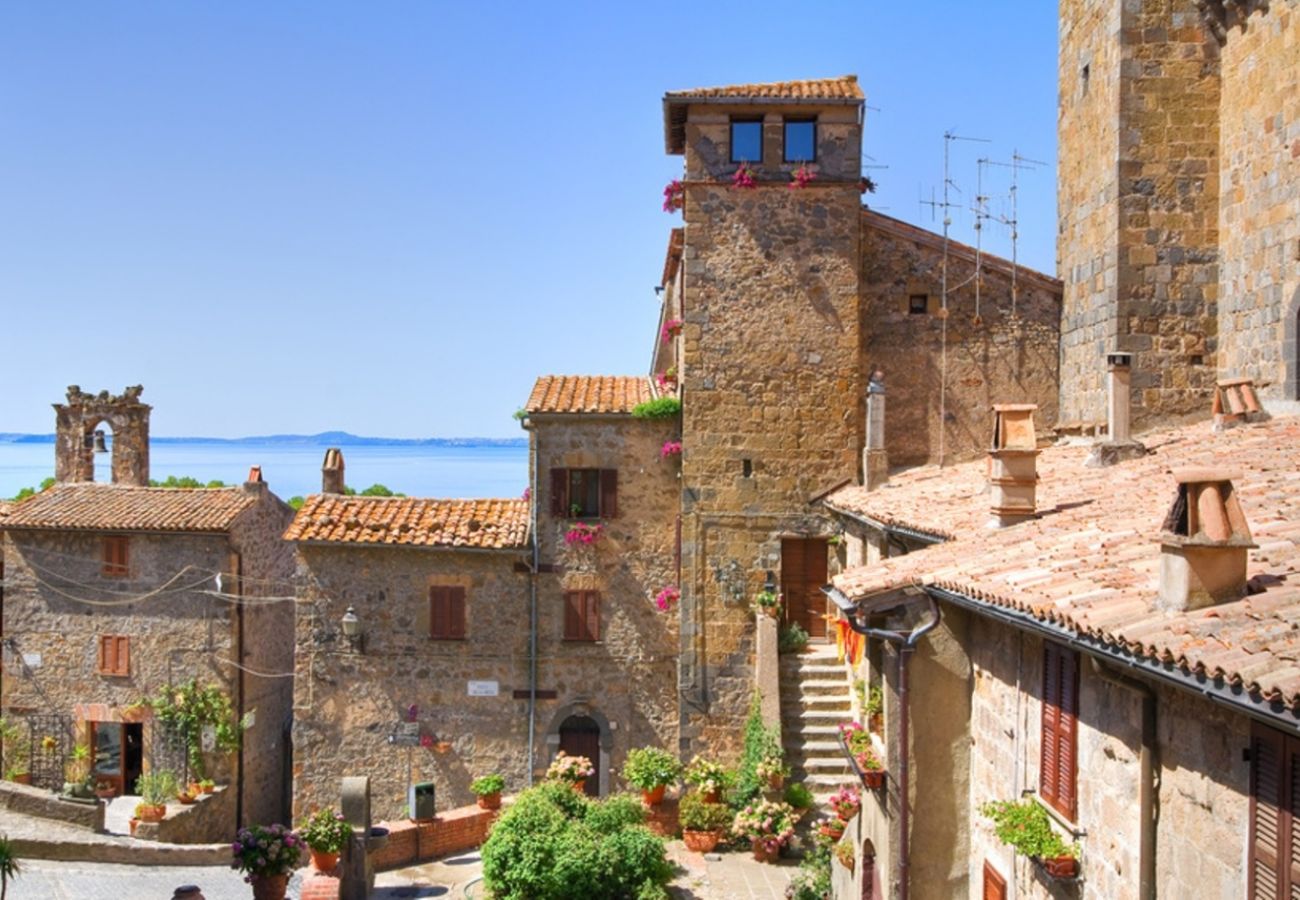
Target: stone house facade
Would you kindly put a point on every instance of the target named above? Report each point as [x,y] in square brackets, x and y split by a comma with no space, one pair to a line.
[1179,142]
[115,592]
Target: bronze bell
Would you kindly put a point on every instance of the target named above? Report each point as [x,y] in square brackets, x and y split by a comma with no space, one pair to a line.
[100,445]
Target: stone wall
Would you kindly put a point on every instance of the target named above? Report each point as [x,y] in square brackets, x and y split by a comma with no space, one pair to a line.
[990,355]
[772,392]
[76,421]
[1259,188]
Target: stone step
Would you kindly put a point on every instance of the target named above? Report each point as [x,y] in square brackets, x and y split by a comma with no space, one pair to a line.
[812,664]
[834,763]
[817,701]
[819,716]
[804,747]
[831,782]
[817,686]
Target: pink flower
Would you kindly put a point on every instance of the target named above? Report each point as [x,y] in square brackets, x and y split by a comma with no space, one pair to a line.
[667,597]
[670,448]
[674,196]
[672,328]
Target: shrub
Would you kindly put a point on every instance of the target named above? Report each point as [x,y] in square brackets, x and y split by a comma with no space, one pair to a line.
[659,408]
[798,796]
[708,776]
[488,784]
[696,814]
[814,879]
[548,847]
[761,743]
[156,788]
[793,639]
[326,831]
[649,767]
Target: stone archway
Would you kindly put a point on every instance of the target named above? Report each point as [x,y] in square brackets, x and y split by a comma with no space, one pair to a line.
[573,714]
[1291,348]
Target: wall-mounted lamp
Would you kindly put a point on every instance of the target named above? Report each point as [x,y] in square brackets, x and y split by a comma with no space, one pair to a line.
[769,584]
[352,628]
[659,289]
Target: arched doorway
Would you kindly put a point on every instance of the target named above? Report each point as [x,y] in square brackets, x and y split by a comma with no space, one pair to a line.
[580,736]
[869,883]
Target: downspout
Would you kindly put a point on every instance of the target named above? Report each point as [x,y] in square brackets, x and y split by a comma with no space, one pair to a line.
[239,761]
[1147,769]
[906,643]
[532,604]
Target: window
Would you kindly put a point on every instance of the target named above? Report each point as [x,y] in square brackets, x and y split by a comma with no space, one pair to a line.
[115,555]
[1085,76]
[114,655]
[584,493]
[746,140]
[447,613]
[917,304]
[800,140]
[1058,766]
[1274,796]
[582,615]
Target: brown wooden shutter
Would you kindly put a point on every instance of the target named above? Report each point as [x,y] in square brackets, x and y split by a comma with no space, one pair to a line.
[438,612]
[591,618]
[1270,819]
[995,886]
[1067,737]
[560,493]
[1049,753]
[573,615]
[105,647]
[456,603]
[608,493]
[123,661]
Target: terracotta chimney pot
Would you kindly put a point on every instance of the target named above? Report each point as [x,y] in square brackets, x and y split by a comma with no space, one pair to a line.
[332,479]
[1205,542]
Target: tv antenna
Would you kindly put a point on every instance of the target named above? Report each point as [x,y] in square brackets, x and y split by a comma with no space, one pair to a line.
[1017,163]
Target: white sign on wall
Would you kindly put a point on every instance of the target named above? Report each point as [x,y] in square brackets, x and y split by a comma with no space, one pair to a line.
[32,660]
[208,738]
[484,688]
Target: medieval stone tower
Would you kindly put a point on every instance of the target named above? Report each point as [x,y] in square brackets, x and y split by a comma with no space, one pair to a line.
[771,388]
[75,439]
[1179,200]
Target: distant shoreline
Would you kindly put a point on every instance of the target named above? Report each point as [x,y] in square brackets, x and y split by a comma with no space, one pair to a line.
[324,439]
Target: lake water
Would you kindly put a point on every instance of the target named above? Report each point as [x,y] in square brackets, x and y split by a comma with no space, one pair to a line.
[418,471]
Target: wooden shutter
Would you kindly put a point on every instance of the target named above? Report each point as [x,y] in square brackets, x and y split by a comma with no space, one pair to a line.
[995,886]
[591,616]
[608,493]
[439,613]
[115,555]
[560,493]
[114,655]
[456,605]
[573,609]
[1270,815]
[1058,756]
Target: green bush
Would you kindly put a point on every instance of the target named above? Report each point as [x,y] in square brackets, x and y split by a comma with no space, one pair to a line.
[761,743]
[649,767]
[695,814]
[185,481]
[548,847]
[26,492]
[792,640]
[798,796]
[659,408]
[488,784]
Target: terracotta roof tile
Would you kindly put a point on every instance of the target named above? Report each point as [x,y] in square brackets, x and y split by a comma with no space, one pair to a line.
[1091,561]
[845,87]
[599,394]
[87,506]
[412,522]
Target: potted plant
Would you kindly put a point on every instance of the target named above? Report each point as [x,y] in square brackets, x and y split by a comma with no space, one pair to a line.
[572,770]
[744,177]
[768,602]
[799,797]
[667,597]
[875,709]
[831,829]
[155,788]
[844,855]
[845,803]
[488,791]
[267,855]
[134,822]
[800,178]
[1025,825]
[207,785]
[768,825]
[651,770]
[185,796]
[773,770]
[703,823]
[49,743]
[105,790]
[583,533]
[709,777]
[326,833]
[672,328]
[9,867]
[858,741]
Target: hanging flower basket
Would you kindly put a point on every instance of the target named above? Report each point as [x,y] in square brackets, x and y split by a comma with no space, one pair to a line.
[670,448]
[744,178]
[667,380]
[583,533]
[667,598]
[671,329]
[674,196]
[801,176]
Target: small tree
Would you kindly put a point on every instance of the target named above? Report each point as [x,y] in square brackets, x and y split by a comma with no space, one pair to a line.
[9,867]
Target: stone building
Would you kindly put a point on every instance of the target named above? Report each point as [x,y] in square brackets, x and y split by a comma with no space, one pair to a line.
[115,591]
[1076,657]
[493,638]
[1179,198]
[777,304]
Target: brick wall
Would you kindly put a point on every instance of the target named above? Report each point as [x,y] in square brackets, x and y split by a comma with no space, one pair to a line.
[451,832]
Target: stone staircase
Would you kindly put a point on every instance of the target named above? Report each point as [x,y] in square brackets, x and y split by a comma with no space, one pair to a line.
[815,698]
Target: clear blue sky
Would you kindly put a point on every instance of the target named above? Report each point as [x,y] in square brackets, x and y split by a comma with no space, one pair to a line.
[388,217]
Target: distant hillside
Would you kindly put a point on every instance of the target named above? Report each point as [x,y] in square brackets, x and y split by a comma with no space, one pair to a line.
[324,439]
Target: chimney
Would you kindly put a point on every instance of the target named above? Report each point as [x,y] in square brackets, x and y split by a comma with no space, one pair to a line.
[1235,402]
[1119,444]
[1013,464]
[254,483]
[1204,544]
[875,461]
[331,472]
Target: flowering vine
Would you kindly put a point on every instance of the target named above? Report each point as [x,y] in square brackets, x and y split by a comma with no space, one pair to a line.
[667,597]
[670,448]
[674,196]
[801,176]
[671,329]
[744,177]
[582,533]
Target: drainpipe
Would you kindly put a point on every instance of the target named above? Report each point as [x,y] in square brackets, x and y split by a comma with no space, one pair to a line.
[532,603]
[906,643]
[1147,768]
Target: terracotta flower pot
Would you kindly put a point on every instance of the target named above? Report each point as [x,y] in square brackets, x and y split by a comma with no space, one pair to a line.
[153,813]
[700,841]
[763,854]
[775,782]
[654,796]
[208,788]
[1061,866]
[772,611]
[490,801]
[106,793]
[832,828]
[195,788]
[133,823]
[873,778]
[270,887]
[322,861]
[713,797]
[580,786]
[845,814]
[185,798]
[24,778]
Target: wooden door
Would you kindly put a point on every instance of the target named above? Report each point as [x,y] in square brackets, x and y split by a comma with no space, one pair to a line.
[803,575]
[580,736]
[106,753]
